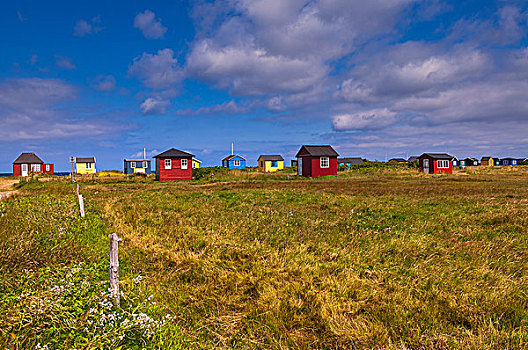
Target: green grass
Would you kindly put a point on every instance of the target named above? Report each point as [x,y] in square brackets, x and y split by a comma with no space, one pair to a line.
[368,259]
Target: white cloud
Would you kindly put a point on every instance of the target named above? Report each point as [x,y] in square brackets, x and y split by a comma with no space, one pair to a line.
[149,25]
[64,62]
[104,83]
[84,27]
[371,119]
[31,109]
[157,71]
[154,105]
[230,107]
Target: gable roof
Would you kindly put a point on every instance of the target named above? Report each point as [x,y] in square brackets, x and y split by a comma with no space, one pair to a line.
[351,160]
[437,156]
[412,158]
[399,160]
[486,158]
[28,158]
[196,160]
[272,157]
[85,160]
[137,160]
[233,156]
[318,150]
[173,153]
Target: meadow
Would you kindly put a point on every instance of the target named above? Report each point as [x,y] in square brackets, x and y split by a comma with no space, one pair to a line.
[372,258]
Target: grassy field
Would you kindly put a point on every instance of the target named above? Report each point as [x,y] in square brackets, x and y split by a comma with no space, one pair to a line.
[387,259]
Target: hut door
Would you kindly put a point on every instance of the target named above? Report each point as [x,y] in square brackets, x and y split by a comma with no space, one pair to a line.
[299,166]
[24,170]
[426,166]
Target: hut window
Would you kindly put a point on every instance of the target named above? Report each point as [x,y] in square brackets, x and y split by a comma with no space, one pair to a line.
[35,168]
[236,163]
[184,163]
[47,167]
[145,165]
[443,164]
[88,165]
[274,163]
[133,165]
[325,162]
[167,163]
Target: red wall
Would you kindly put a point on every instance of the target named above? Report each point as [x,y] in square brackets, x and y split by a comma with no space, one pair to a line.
[318,171]
[176,172]
[443,170]
[16,169]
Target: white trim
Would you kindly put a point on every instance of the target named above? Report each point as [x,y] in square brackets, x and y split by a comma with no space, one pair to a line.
[236,162]
[442,164]
[133,165]
[145,164]
[168,164]
[184,163]
[324,162]
[48,167]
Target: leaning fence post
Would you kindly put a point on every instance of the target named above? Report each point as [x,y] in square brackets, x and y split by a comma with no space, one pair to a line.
[81,204]
[77,189]
[114,268]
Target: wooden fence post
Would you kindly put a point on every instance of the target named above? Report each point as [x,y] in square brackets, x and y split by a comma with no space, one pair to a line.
[114,268]
[81,204]
[77,189]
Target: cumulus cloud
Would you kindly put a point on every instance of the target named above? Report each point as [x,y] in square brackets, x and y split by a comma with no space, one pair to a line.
[154,106]
[104,82]
[149,25]
[230,107]
[257,47]
[371,119]
[64,62]
[31,109]
[86,27]
[157,71]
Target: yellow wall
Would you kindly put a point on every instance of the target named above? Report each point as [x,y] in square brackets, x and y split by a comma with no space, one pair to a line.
[81,168]
[488,162]
[268,168]
[196,164]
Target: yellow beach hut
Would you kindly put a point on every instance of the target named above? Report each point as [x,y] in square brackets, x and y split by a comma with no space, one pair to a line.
[270,162]
[487,161]
[196,163]
[85,165]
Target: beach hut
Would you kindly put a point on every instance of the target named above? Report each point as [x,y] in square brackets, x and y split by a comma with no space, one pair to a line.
[270,162]
[471,161]
[234,161]
[349,161]
[174,165]
[412,159]
[29,163]
[196,163]
[436,163]
[397,160]
[487,161]
[136,166]
[455,162]
[509,161]
[316,160]
[85,165]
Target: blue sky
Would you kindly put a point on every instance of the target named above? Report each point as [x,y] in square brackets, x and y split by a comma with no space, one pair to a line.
[373,78]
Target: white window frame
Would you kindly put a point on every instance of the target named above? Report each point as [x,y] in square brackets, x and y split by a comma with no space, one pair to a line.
[48,167]
[168,164]
[133,165]
[324,162]
[442,164]
[184,163]
[35,168]
[236,163]
[145,164]
[88,165]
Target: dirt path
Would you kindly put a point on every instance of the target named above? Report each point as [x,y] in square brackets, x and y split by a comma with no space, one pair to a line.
[6,188]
